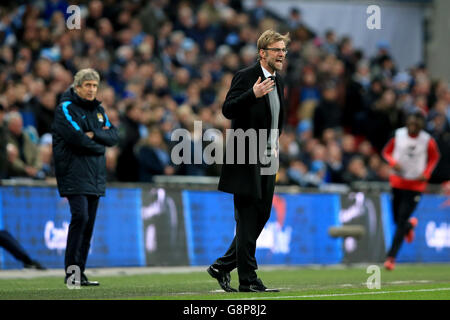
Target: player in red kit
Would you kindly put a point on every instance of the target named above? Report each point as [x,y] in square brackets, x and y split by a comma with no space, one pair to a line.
[413,155]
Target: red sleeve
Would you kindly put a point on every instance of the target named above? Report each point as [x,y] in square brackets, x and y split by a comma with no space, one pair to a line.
[387,152]
[433,158]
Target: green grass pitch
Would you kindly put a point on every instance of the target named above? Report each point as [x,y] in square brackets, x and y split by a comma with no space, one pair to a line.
[406,282]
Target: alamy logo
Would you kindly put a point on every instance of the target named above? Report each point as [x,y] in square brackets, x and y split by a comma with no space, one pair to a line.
[242,147]
[74,20]
[374,20]
[374,281]
[74,280]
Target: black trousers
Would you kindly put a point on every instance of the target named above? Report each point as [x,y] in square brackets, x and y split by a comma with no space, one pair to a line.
[404,202]
[251,215]
[84,210]
[11,245]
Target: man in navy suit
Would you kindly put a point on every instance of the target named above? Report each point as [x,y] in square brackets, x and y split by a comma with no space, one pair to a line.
[254,102]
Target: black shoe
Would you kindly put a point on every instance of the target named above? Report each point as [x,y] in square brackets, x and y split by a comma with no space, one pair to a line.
[34,265]
[222,277]
[256,286]
[86,283]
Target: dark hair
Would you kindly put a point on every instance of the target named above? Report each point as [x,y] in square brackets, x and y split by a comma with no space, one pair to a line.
[417,113]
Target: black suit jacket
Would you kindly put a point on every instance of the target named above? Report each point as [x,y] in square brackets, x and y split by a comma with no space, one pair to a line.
[247,112]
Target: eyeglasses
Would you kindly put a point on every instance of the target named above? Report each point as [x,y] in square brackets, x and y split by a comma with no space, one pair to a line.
[277,50]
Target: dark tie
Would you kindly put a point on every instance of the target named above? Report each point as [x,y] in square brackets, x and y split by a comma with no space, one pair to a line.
[272,77]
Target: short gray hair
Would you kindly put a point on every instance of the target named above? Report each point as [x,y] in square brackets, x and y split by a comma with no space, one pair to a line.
[12,115]
[85,75]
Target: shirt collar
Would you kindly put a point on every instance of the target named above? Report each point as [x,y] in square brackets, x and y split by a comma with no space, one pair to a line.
[267,73]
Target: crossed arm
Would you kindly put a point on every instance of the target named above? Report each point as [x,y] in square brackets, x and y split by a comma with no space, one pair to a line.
[92,142]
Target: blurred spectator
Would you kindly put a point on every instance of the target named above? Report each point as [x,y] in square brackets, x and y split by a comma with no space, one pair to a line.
[335,166]
[330,45]
[259,12]
[382,65]
[346,54]
[111,163]
[152,16]
[357,171]
[327,114]
[95,12]
[379,169]
[383,49]
[202,29]
[383,118]
[439,128]
[294,19]
[365,150]
[304,98]
[282,178]
[318,166]
[298,174]
[153,156]
[289,147]
[44,112]
[23,155]
[348,145]
[307,147]
[46,155]
[129,136]
[355,112]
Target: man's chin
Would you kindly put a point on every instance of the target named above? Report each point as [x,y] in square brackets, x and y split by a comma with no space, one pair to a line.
[277,66]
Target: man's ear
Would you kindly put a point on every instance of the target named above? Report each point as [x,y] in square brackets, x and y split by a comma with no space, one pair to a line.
[261,55]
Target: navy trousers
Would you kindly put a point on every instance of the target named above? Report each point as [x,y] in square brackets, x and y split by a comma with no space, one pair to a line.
[84,210]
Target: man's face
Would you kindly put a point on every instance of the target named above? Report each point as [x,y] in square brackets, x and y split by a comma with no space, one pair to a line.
[414,125]
[88,90]
[273,56]
[15,126]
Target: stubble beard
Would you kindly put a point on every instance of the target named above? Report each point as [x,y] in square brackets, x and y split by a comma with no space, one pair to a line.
[273,65]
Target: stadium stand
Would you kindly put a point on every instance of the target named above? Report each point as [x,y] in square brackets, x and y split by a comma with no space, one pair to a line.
[165,64]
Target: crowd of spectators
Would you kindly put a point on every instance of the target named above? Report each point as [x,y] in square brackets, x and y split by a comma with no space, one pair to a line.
[166,64]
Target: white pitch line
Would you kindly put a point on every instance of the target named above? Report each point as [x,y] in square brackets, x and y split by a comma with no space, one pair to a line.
[344,294]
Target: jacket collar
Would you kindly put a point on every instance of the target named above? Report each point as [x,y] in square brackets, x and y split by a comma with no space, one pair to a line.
[71,95]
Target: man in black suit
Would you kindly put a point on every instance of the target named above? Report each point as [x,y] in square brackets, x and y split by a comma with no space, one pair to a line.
[255,104]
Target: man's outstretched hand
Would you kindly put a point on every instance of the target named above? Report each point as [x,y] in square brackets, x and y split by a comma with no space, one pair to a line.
[262,88]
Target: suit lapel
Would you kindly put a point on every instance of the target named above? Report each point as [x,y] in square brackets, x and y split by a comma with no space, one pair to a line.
[260,73]
[280,90]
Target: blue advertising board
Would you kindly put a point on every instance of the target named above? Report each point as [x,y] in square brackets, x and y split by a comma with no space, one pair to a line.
[1,228]
[296,233]
[432,240]
[39,219]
